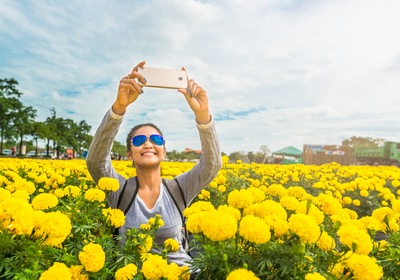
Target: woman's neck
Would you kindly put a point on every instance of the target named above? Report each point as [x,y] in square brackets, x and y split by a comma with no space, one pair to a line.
[149,179]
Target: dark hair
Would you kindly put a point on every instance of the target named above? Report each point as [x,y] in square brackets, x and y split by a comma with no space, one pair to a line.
[133,131]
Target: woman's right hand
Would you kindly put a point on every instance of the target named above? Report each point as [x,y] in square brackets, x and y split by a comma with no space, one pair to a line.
[128,90]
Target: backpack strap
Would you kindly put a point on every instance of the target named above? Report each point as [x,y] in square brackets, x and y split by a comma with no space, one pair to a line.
[175,191]
[128,194]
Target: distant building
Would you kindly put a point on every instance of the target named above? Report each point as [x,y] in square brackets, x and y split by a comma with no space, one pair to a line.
[188,150]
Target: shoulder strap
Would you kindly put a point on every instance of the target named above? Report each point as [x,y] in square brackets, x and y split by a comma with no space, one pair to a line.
[128,194]
[176,192]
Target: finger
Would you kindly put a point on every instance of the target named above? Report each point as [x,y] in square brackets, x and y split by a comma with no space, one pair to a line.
[140,64]
[187,76]
[131,85]
[135,74]
[194,89]
[185,92]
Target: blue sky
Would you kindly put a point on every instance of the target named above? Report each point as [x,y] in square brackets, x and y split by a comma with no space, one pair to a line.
[278,72]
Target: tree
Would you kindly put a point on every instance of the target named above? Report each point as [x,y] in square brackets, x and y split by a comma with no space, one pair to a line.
[9,105]
[118,148]
[82,136]
[23,122]
[38,131]
[356,141]
[250,156]
[235,156]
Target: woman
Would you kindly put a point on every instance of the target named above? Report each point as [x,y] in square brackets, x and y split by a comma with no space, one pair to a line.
[146,148]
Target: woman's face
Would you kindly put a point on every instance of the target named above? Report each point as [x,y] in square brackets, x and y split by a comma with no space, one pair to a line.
[148,153]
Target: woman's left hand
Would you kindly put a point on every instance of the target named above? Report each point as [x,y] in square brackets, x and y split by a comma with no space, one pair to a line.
[197,99]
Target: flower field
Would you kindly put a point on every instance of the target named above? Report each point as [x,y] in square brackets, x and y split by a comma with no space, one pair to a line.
[252,222]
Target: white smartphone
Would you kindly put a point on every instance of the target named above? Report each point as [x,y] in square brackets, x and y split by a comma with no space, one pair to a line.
[163,78]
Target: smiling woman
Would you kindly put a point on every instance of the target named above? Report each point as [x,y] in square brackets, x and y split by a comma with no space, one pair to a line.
[146,149]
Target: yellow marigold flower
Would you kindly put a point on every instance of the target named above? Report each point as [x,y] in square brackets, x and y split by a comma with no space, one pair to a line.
[383,213]
[127,272]
[364,267]
[254,229]
[372,223]
[59,193]
[364,193]
[204,194]
[44,201]
[265,209]
[77,273]
[92,257]
[213,184]
[219,225]
[16,216]
[347,200]
[185,272]
[145,241]
[95,195]
[221,179]
[356,239]
[382,246]
[222,188]
[298,192]
[115,216]
[60,180]
[255,183]
[4,194]
[311,210]
[176,272]
[328,204]
[394,225]
[3,179]
[395,183]
[258,194]
[73,191]
[198,206]
[22,194]
[289,202]
[356,202]
[23,184]
[225,159]
[154,267]
[338,269]
[235,212]
[326,242]
[305,227]
[171,245]
[53,228]
[145,227]
[314,276]
[276,190]
[108,184]
[58,271]
[242,273]
[194,222]
[240,198]
[156,222]
[279,225]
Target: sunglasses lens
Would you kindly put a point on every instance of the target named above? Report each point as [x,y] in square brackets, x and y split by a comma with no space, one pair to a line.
[138,140]
[157,139]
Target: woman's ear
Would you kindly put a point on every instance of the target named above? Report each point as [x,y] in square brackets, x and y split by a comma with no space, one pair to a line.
[129,155]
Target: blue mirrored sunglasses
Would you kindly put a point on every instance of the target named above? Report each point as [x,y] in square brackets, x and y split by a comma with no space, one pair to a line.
[139,140]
